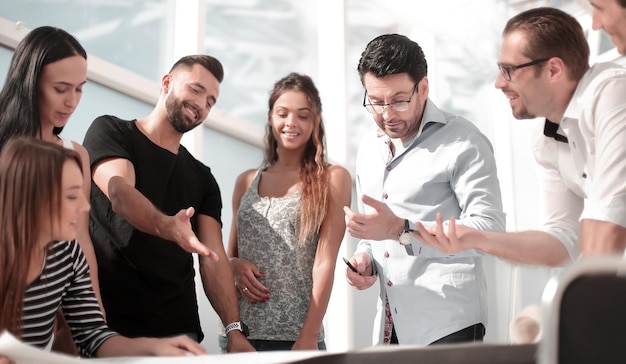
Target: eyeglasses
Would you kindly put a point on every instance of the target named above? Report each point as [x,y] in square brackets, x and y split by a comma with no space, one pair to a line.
[506,71]
[398,106]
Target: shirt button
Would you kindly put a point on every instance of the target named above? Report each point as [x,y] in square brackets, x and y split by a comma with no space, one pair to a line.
[386,254]
[388,168]
[385,196]
[389,283]
[584,175]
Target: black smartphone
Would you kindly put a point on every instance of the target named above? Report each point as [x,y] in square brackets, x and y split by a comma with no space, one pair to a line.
[350,265]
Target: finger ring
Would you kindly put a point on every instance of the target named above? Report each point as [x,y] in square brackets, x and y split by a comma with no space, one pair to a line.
[245,289]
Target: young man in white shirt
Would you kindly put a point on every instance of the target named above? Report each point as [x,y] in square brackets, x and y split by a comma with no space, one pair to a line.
[581,153]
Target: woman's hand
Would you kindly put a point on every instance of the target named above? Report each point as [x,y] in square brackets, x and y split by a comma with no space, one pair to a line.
[246,279]
[181,345]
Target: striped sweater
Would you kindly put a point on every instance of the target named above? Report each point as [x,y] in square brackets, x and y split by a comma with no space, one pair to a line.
[64,281]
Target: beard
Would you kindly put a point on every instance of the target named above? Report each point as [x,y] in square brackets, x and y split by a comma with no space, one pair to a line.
[407,126]
[180,122]
[522,114]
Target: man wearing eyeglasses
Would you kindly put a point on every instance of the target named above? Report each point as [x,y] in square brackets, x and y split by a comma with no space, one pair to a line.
[581,151]
[419,161]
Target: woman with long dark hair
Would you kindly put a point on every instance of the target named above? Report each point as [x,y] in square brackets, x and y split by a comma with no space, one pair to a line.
[43,87]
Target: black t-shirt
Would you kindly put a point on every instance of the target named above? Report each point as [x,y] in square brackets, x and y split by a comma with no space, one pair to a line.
[147,283]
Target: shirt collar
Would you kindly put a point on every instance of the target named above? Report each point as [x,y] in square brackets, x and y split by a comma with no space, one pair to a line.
[432,114]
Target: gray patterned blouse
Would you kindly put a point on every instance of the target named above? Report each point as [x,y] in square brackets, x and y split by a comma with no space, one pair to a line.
[267,230]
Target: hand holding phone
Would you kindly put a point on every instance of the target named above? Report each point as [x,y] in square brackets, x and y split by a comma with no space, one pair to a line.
[352,268]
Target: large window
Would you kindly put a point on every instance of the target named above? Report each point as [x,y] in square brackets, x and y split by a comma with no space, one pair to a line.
[259,42]
[133,34]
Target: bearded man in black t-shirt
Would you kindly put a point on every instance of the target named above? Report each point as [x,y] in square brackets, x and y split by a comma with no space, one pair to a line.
[153,205]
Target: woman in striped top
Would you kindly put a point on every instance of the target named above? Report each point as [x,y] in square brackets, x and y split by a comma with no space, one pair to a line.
[42,267]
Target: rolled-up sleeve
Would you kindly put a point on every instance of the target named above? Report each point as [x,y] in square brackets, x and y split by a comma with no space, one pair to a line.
[604,129]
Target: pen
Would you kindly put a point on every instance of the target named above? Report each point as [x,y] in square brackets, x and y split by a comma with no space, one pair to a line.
[352,268]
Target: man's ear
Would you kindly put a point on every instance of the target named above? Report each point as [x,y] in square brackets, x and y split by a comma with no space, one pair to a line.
[165,82]
[422,88]
[556,68]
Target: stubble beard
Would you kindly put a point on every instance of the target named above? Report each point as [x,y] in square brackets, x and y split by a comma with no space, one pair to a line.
[523,114]
[175,116]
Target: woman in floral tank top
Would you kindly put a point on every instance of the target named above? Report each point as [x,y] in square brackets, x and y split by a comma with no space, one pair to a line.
[289,225]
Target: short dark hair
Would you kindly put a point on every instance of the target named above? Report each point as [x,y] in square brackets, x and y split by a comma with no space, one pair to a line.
[211,64]
[551,32]
[390,54]
[19,106]
[622,3]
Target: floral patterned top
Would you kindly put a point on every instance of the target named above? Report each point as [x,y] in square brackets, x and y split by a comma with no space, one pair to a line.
[267,231]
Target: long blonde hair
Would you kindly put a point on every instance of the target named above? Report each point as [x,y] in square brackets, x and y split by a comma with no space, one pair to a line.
[313,171]
[31,172]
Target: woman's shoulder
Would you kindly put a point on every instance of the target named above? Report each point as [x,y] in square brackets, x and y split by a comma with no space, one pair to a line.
[248,174]
[246,177]
[337,172]
[63,255]
[340,181]
[79,148]
[65,245]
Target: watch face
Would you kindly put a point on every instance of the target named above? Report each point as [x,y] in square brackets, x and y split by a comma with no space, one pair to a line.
[405,238]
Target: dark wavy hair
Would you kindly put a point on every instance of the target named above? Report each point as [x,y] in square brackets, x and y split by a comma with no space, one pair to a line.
[19,106]
[313,170]
[391,54]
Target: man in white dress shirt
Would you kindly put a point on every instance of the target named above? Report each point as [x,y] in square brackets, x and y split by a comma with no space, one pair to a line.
[544,64]
[418,161]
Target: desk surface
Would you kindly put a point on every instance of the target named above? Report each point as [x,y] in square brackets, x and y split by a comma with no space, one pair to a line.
[475,353]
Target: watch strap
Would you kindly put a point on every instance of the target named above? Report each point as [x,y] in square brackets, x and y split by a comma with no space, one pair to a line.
[406,228]
[233,326]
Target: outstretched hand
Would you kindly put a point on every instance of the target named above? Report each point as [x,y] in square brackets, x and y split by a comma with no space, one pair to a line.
[451,239]
[184,236]
[379,225]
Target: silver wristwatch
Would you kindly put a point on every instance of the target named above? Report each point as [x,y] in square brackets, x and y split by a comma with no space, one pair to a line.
[405,236]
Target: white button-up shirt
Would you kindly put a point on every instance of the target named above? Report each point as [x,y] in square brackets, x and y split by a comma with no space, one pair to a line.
[584,177]
[447,166]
